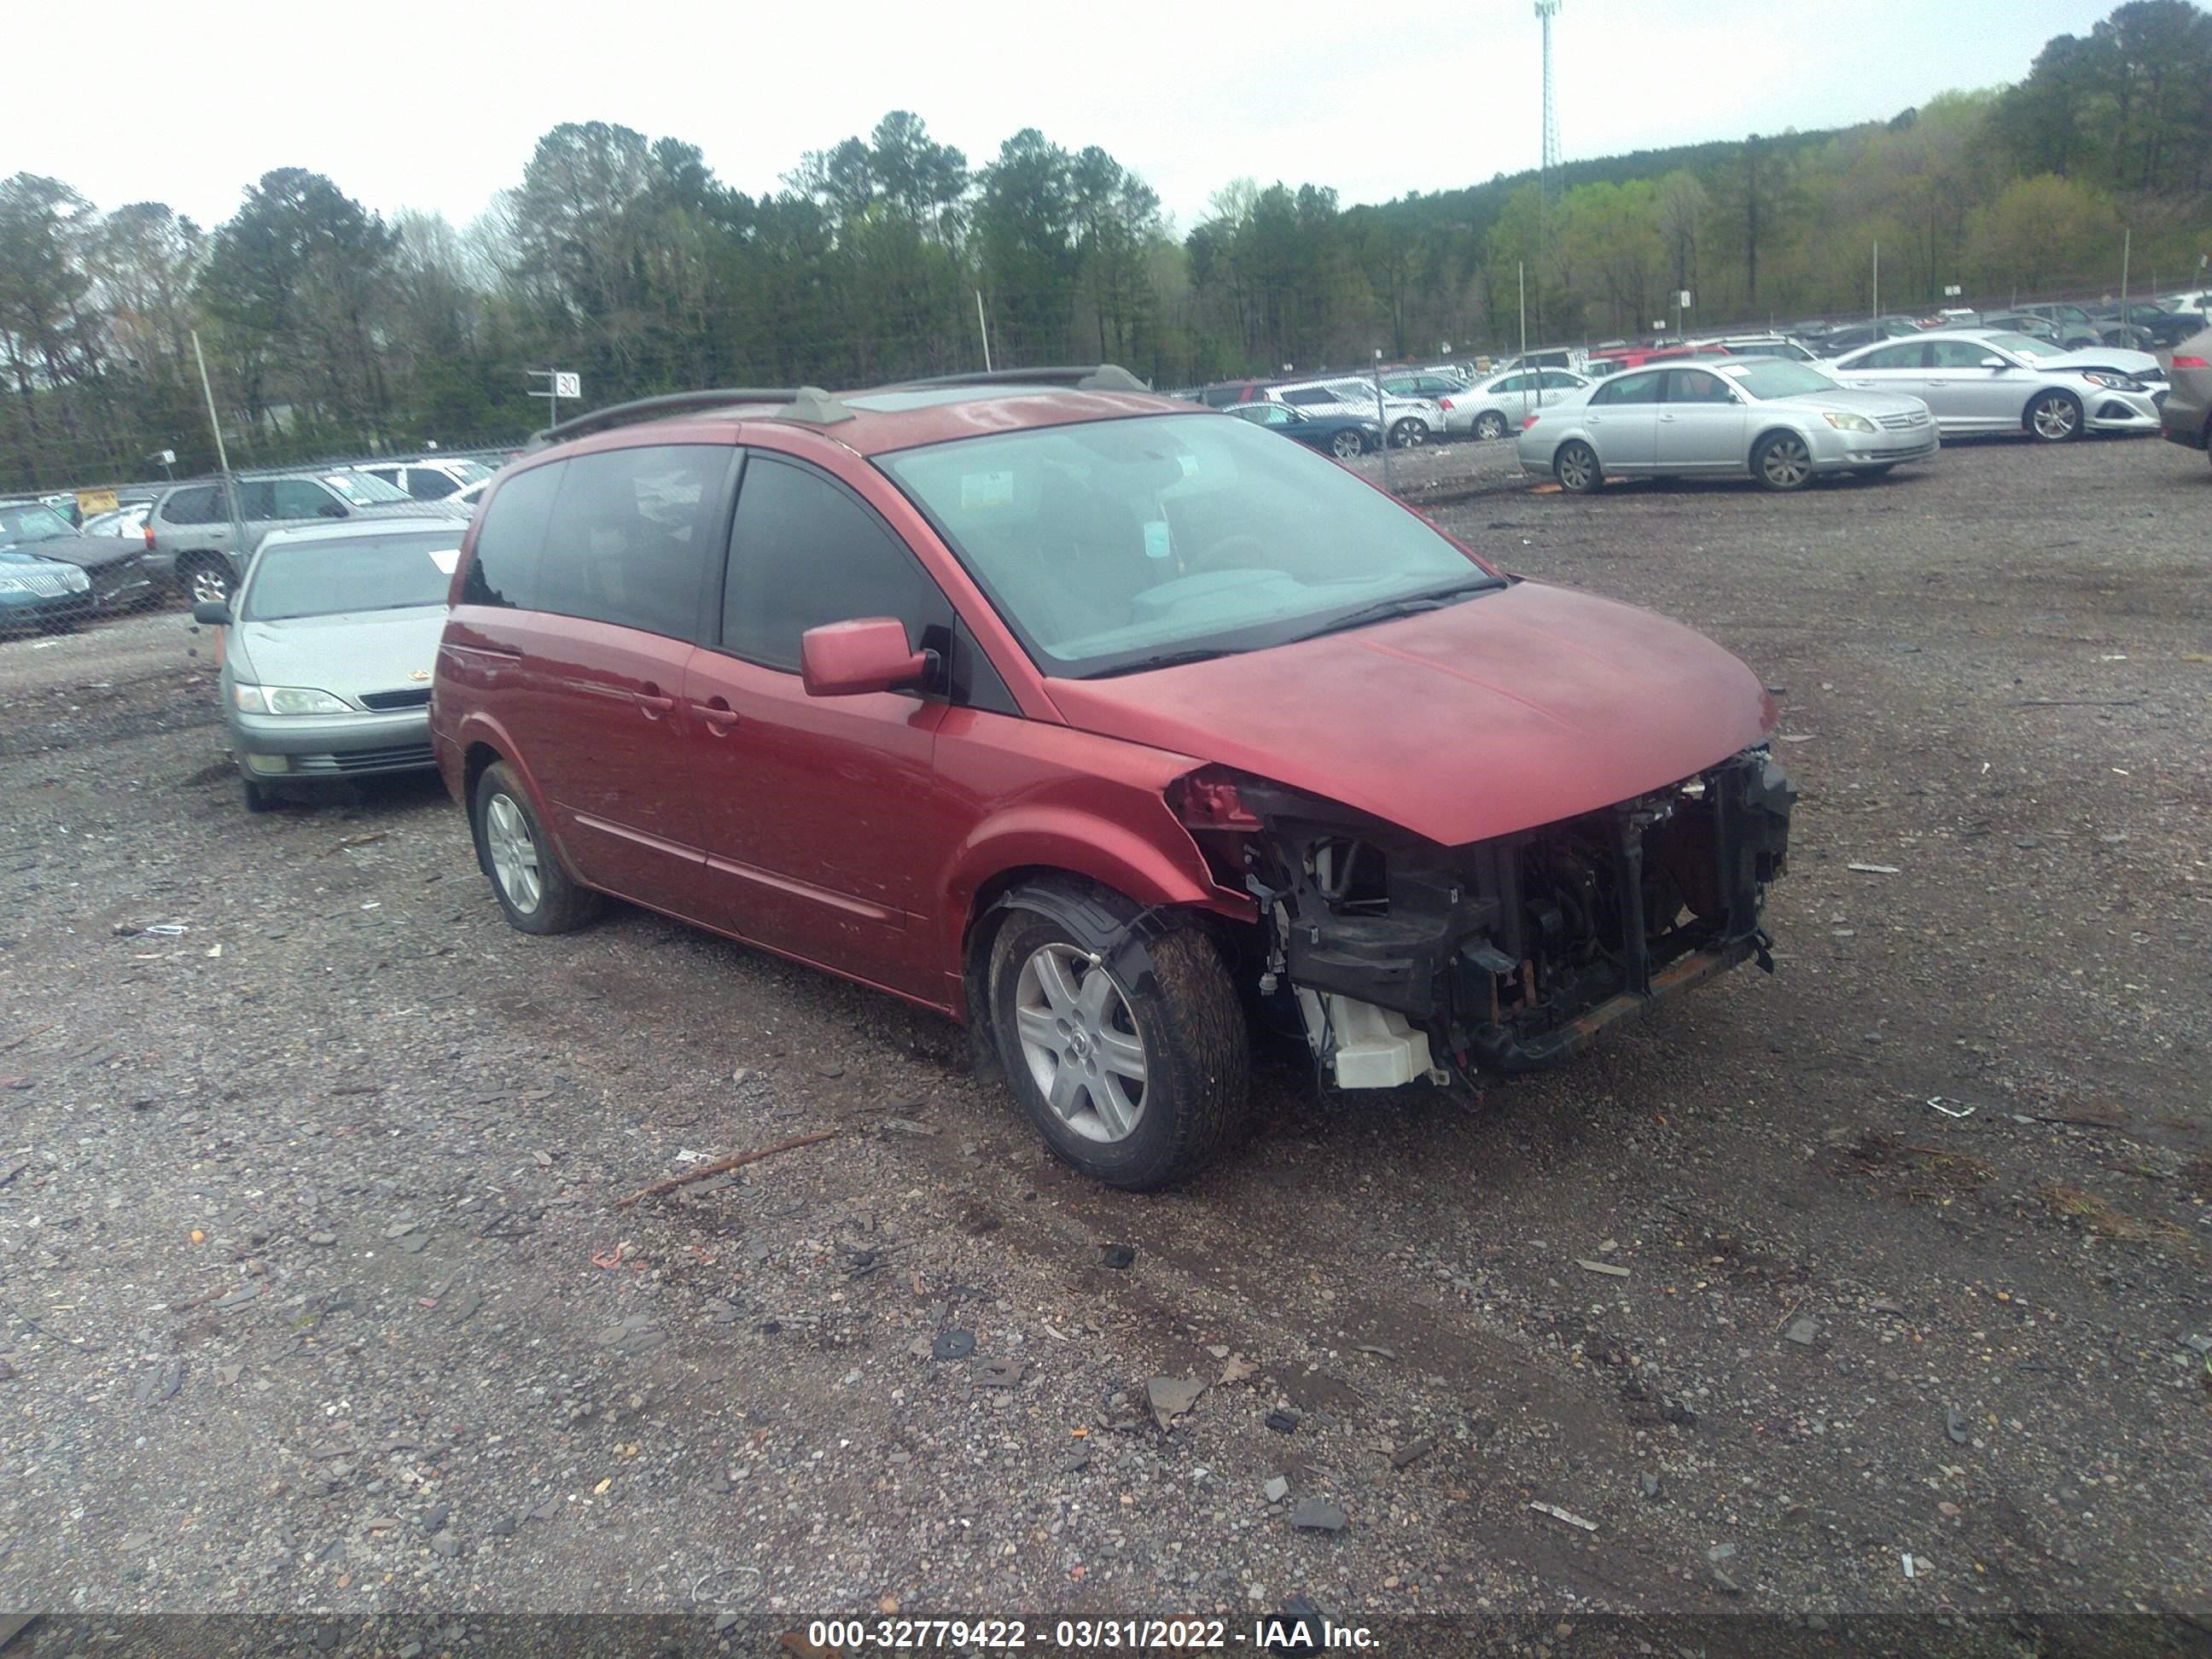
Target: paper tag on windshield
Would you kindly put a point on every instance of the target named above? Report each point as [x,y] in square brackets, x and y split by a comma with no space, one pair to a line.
[447,559]
[1158,544]
[980,490]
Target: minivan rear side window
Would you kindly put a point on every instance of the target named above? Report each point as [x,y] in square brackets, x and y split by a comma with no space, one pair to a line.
[504,569]
[198,505]
[632,536]
[804,551]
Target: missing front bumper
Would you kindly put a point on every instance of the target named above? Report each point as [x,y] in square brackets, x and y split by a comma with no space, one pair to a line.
[1513,953]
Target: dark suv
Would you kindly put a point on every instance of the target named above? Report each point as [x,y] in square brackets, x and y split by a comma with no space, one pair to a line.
[191,537]
[1099,721]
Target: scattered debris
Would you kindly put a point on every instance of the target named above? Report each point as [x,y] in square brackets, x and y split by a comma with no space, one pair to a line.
[1725,1585]
[907,1126]
[1955,1425]
[998,1374]
[1412,1452]
[1380,1353]
[1605,1267]
[1171,1397]
[716,1168]
[1238,1369]
[1567,1516]
[1804,1332]
[1875,869]
[1949,1109]
[1314,1516]
[955,1344]
[1907,1560]
[1117,1255]
[1276,1490]
[1283,1422]
[354,841]
[1650,1484]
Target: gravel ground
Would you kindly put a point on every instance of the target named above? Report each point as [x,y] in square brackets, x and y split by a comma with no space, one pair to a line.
[318,1296]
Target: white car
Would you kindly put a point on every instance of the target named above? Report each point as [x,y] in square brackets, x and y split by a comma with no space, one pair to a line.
[429,479]
[1781,422]
[1495,407]
[1410,422]
[1993,381]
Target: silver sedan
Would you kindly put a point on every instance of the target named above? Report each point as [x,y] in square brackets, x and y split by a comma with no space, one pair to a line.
[1993,380]
[1782,424]
[329,642]
[1495,407]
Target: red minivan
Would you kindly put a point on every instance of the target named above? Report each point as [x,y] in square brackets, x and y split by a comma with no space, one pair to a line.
[1103,723]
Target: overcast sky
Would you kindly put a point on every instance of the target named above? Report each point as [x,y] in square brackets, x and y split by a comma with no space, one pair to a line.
[439,107]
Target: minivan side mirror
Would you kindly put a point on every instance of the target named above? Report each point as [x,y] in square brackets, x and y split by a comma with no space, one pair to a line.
[1994,362]
[212,613]
[846,658]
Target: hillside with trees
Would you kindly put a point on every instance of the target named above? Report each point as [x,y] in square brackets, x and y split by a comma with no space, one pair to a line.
[330,327]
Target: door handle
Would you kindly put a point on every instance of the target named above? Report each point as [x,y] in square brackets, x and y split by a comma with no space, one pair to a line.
[1666,417]
[649,698]
[718,715]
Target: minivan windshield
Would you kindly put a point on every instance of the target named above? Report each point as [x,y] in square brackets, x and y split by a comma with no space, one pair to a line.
[363,491]
[329,577]
[1113,546]
[1777,377]
[21,525]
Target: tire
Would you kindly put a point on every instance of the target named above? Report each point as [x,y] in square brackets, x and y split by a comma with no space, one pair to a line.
[1409,434]
[1490,426]
[1176,1019]
[205,579]
[2053,417]
[1781,461]
[1575,464]
[1347,444]
[517,858]
[260,797]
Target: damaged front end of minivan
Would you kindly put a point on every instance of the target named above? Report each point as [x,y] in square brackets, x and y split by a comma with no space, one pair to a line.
[1408,960]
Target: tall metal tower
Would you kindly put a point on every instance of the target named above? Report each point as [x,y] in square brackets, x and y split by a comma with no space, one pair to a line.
[1545,11]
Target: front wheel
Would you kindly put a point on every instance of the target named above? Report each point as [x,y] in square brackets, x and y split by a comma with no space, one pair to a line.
[526,873]
[2055,418]
[1347,444]
[1130,1056]
[1409,434]
[1782,461]
[1577,468]
[1490,427]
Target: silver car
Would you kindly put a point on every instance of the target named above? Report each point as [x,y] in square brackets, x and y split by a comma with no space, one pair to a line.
[1409,421]
[1980,379]
[328,651]
[1494,407]
[1784,423]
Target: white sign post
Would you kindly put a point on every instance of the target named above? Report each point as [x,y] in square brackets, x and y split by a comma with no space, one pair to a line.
[559,384]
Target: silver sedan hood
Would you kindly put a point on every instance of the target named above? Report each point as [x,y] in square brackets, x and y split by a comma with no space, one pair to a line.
[346,655]
[2115,359]
[1872,404]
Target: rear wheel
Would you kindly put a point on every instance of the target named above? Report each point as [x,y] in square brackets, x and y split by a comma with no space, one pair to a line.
[206,578]
[525,873]
[1490,426]
[2055,417]
[1575,466]
[1132,1059]
[1409,434]
[1782,461]
[1347,444]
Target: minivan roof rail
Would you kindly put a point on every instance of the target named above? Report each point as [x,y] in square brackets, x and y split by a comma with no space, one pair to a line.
[1094,377]
[801,403]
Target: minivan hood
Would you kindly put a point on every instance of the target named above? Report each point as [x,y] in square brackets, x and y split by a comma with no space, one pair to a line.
[1508,710]
[345,655]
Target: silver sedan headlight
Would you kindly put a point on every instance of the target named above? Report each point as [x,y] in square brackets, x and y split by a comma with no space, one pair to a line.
[2113,382]
[1845,421]
[287,700]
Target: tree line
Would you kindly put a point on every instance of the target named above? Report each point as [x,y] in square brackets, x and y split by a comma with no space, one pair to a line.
[329,327]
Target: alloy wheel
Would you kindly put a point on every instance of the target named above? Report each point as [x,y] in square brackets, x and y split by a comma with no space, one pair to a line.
[1490,427]
[1784,463]
[1346,444]
[2055,416]
[210,585]
[1578,467]
[513,852]
[1080,1043]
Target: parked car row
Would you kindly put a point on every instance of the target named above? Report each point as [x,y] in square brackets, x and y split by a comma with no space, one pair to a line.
[56,575]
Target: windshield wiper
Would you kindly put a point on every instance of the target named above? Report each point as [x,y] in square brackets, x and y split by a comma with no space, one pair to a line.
[1162,659]
[1405,605]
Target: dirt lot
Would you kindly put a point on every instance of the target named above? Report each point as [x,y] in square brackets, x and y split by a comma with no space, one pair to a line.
[317,1298]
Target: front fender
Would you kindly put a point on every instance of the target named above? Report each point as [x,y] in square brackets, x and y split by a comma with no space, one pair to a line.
[1161,868]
